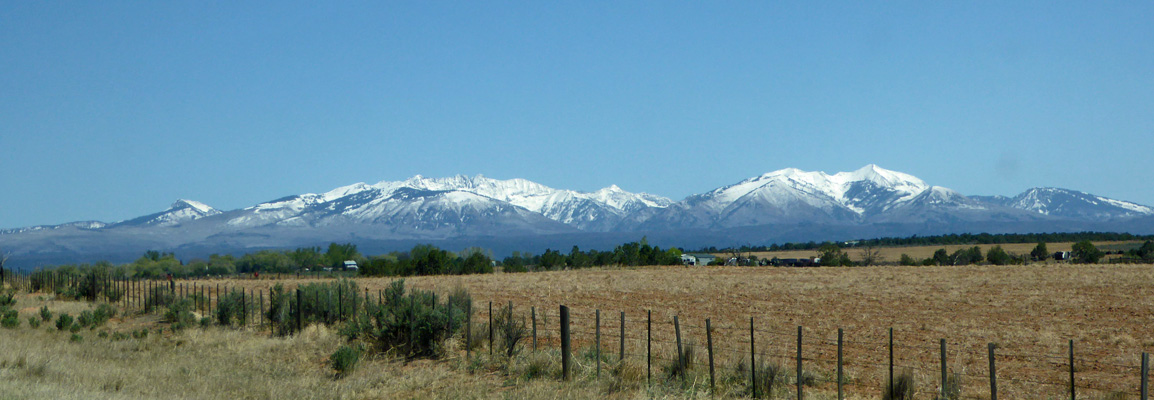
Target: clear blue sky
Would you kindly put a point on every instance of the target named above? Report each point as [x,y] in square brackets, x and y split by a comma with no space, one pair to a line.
[112,110]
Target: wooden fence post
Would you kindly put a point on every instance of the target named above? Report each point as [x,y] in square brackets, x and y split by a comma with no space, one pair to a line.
[597,325]
[490,328]
[799,380]
[533,316]
[680,352]
[840,373]
[993,374]
[621,356]
[300,305]
[649,347]
[942,345]
[709,344]
[1145,376]
[261,310]
[1073,395]
[752,361]
[891,385]
[468,329]
[565,359]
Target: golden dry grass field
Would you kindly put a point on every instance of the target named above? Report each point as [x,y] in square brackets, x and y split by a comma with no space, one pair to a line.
[1030,312]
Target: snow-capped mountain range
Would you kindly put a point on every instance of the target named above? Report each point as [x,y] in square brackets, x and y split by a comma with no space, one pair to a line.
[787,204]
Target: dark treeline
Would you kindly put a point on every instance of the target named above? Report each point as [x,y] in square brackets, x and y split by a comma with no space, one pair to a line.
[951,239]
[628,254]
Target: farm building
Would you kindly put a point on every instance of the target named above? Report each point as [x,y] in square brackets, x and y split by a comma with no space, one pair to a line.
[697,258]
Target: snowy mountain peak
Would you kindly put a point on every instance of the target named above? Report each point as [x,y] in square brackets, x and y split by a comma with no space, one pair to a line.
[194,205]
[1072,203]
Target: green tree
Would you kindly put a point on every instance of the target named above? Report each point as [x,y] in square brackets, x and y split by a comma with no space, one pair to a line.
[338,253]
[941,257]
[831,255]
[307,257]
[1085,252]
[1039,253]
[907,260]
[997,256]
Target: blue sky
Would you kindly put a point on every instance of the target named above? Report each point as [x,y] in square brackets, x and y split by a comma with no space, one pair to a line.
[111,110]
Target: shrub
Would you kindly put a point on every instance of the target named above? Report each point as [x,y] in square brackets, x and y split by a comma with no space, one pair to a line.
[233,307]
[323,303]
[10,319]
[141,334]
[86,319]
[205,322]
[510,329]
[119,336]
[158,296]
[345,359]
[63,321]
[76,338]
[103,313]
[179,314]
[75,327]
[7,298]
[102,334]
[34,322]
[45,314]
[903,388]
[412,324]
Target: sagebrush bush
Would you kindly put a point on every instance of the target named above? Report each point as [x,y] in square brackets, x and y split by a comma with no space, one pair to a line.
[412,324]
[158,296]
[345,359]
[325,303]
[179,314]
[233,308]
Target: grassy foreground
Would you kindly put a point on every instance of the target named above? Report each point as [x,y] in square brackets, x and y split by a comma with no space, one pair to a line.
[213,362]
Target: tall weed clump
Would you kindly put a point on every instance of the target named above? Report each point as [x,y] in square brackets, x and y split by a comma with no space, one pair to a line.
[412,324]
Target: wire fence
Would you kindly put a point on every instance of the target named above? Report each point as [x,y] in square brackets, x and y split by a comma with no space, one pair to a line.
[852,362]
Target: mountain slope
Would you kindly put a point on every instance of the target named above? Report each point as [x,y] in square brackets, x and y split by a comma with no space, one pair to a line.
[1072,204]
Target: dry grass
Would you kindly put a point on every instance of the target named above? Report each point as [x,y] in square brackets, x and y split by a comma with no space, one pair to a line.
[1030,311]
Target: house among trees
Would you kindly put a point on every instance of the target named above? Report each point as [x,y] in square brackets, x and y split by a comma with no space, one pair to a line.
[697,258]
[351,265]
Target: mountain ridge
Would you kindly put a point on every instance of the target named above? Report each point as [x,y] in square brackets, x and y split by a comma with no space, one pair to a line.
[771,206]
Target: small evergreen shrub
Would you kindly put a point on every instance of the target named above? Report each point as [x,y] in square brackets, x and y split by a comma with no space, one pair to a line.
[102,334]
[45,314]
[75,327]
[63,321]
[205,322]
[86,319]
[345,359]
[140,334]
[34,322]
[10,319]
[76,338]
